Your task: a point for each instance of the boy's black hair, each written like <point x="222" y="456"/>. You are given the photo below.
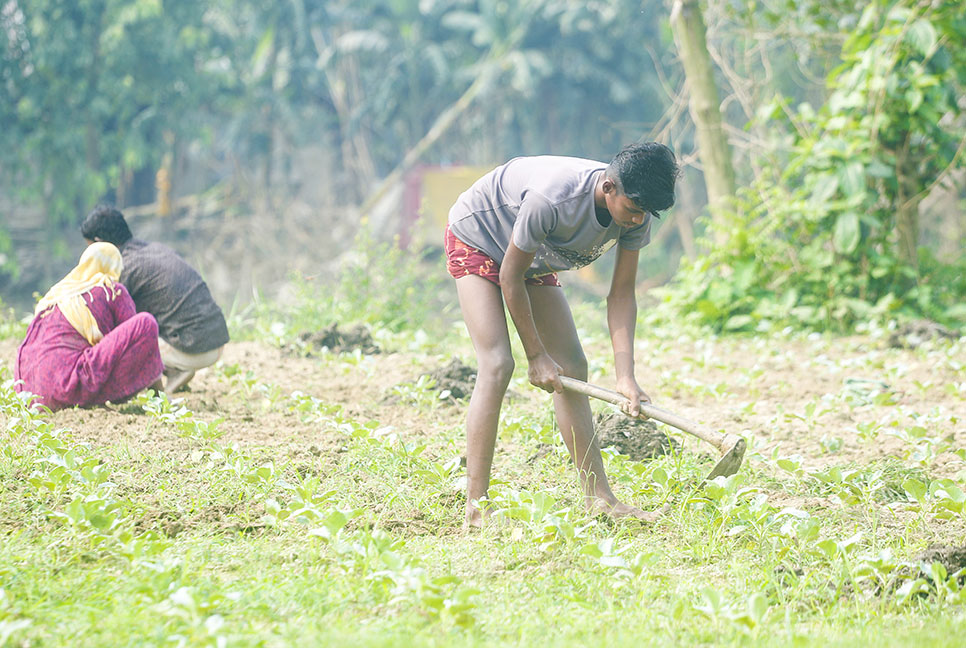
<point x="646" y="172"/>
<point x="107" y="224"/>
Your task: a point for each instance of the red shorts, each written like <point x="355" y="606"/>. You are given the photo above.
<point x="462" y="260"/>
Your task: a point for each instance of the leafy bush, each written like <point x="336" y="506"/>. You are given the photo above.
<point x="827" y="237"/>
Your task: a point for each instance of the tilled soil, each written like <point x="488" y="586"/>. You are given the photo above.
<point x="454" y="379"/>
<point x="952" y="558"/>
<point x="913" y="334"/>
<point x="639" y="440"/>
<point x="335" y="340"/>
<point x="830" y="402"/>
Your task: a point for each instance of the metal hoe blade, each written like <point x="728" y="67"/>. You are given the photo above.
<point x="733" y="453"/>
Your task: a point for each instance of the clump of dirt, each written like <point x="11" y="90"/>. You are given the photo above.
<point x="952" y="558"/>
<point x="335" y="340"/>
<point x="914" y="333"/>
<point x="635" y="438"/>
<point x="456" y="378"/>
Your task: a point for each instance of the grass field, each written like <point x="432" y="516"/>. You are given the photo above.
<point x="303" y="497"/>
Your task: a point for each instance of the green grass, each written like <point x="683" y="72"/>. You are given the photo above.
<point x="206" y="539"/>
<point x="376" y="560"/>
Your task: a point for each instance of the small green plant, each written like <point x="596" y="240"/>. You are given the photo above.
<point x="614" y="557"/>
<point x="158" y="405"/>
<point x="439" y="477"/>
<point x="745" y="615"/>
<point x="422" y="393"/>
<point x="814" y="410"/>
<point x="96" y="514"/>
<point x="194" y="617"/>
<point x="542" y="518"/>
<point x="868" y="431"/>
<point x="921" y="447"/>
<point x="946" y="588"/>
<point x="830" y="445"/>
<point x="174" y="412"/>
<point x="311" y="408"/>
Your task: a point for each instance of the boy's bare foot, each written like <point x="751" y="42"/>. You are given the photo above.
<point x="473" y="520"/>
<point x="618" y="510"/>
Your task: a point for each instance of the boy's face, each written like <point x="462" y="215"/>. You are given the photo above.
<point x="623" y="210"/>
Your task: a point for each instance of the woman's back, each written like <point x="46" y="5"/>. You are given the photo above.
<point x="58" y="364"/>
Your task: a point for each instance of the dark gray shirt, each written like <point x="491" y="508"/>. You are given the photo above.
<point x="545" y="205"/>
<point x="163" y="284"/>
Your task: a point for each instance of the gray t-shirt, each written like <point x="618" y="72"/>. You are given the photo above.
<point x="163" y="284"/>
<point x="546" y="204"/>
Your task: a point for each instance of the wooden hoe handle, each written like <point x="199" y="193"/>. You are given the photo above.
<point x="647" y="410"/>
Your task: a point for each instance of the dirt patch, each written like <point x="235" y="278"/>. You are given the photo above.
<point x="455" y="379"/>
<point x="785" y="395"/>
<point x="952" y="558"/>
<point x="334" y="340"/>
<point x="914" y="333"/>
<point x="635" y="438"/>
<point x="219" y="517"/>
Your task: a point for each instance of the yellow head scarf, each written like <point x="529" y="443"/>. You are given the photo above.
<point x="100" y="265"/>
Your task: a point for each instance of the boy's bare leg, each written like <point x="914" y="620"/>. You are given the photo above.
<point x="482" y="304"/>
<point x="558" y="333"/>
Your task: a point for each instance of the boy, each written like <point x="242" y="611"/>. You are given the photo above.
<point x="508" y="235"/>
<point x="193" y="331"/>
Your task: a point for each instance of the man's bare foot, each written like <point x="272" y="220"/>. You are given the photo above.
<point x="177" y="380"/>
<point x="619" y="510"/>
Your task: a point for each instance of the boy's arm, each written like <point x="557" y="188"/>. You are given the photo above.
<point x="622" y="320"/>
<point x="542" y="371"/>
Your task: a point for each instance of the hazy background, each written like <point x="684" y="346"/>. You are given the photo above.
<point x="254" y="137"/>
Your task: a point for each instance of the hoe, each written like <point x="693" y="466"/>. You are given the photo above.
<point x="730" y="446"/>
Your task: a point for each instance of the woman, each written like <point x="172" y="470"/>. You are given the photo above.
<point x="86" y="345"/>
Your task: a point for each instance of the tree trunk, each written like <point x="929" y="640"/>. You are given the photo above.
<point x="719" y="176"/>
<point x="345" y="90"/>
<point x="682" y="219"/>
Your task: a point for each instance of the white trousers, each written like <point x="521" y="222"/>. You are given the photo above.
<point x="175" y="359"/>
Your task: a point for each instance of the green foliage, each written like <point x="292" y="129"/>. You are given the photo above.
<point x="97" y="90"/>
<point x="818" y="239"/>
<point x="92" y="88"/>
<point x="392" y="286"/>
<point x="11" y="326"/>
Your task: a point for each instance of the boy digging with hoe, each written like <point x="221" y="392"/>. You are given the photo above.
<point x="508" y="235"/>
